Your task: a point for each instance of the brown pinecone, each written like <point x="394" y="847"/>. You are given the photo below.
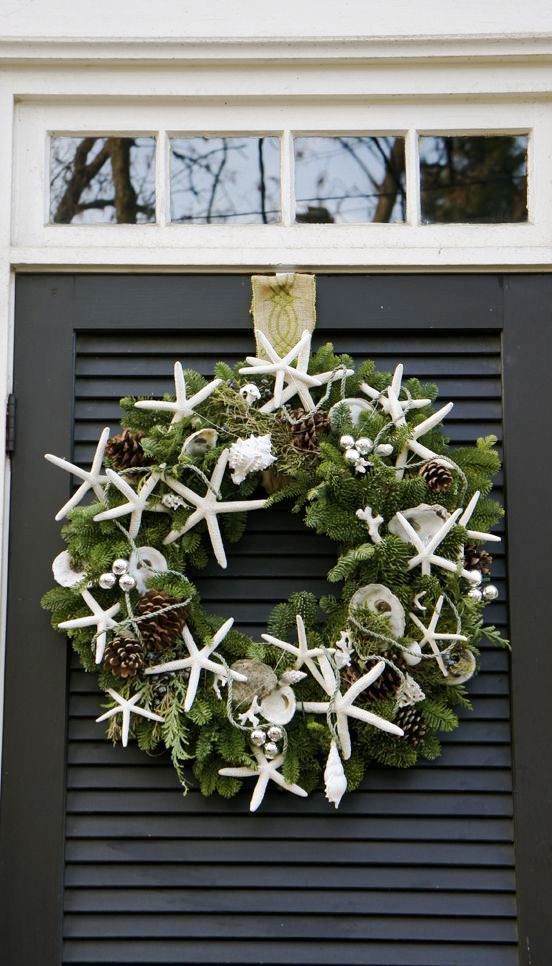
<point x="161" y="631"/>
<point x="386" y="686"/>
<point x="476" y="558"/>
<point x="412" y="723"/>
<point x="307" y="428"/>
<point x="438" y="475"/>
<point x="125" y="451"/>
<point x="124" y="657"/>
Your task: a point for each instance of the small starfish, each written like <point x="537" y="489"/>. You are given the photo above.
<point x="208" y="508"/>
<point x="266" y="771"/>
<point x="136" y="501"/>
<point x="342" y="705"/>
<point x="182" y="407"/>
<point x="126" y="707"/>
<point x="297" y="377"/>
<point x="198" y="661"/>
<point x="466" y="517"/>
<point x="305" y="656"/>
<point x="92" y="478"/>
<point x="431" y="637"/>
<point x="389" y="399"/>
<point x="103" y="619"/>
<point x="426" y="556"/>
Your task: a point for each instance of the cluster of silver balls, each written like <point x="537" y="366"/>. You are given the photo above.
<point x="268" y="740"/>
<point x="357" y="449"/>
<point x="488" y="593"/>
<point x="118" y="574"/>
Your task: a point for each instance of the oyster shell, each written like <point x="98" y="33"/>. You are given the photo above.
<point x="381" y="601"/>
<point x="144" y="563"/>
<point x="279" y="706"/>
<point x="425" y="519"/>
<point x="461" y="669"/>
<point x="355" y="407"/>
<point x="261" y="680"/>
<point x="199" y="442"/>
<point x="64" y="572"/>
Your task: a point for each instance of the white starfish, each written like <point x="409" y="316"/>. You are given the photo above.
<point x="208" y="508"/>
<point x="390" y="401"/>
<point x="198" y="661"/>
<point x="466" y="517"/>
<point x="412" y="444"/>
<point x="426" y="556"/>
<point x="372" y="522"/>
<point x="342" y="705"/>
<point x="431" y="637"/>
<point x="306" y="656"/>
<point x="266" y="771"/>
<point x="103" y="619"/>
<point x="297" y="377"/>
<point x="182" y="407"/>
<point x="126" y="707"/>
<point x="136" y="501"/>
<point x="92" y="478"/>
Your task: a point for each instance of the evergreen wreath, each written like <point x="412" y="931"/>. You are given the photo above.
<point x="338" y="684"/>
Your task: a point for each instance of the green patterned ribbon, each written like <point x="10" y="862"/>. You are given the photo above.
<point x="283" y="306"/>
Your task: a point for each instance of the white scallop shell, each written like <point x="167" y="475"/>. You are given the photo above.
<point x="144" y="563"/>
<point x="200" y="442"/>
<point x="382" y="602"/>
<point x="425" y="519"/>
<point x="64" y="572"/>
<point x="279" y="706"/>
<point x="355" y="407"/>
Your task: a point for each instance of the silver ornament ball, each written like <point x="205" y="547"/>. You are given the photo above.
<point x="275" y="733"/>
<point x="351" y="455"/>
<point x="119" y="566"/>
<point x="475" y="577"/>
<point x="347" y="441"/>
<point x="126" y="583"/>
<point x="384" y="449"/>
<point x="474" y="594"/>
<point x="258" y="737"/>
<point x="271" y="749"/>
<point x="107" y="581"/>
<point x="364" y="445"/>
<point x="490" y="592"/>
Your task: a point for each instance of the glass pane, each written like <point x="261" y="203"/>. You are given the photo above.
<point x="473" y="179"/>
<point x="217" y="180"/>
<point x="96" y="180"/>
<point x="350" y="179"/>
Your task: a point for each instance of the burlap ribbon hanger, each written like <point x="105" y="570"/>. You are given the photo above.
<point x="283" y="307"/>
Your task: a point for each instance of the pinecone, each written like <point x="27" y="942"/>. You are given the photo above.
<point x="386" y="686"/>
<point x="412" y="723"/>
<point x="160" y="632"/>
<point x="124" y="657"/>
<point x="438" y="475"/>
<point x="307" y="428"/>
<point x="125" y="451"/>
<point x="476" y="558"/>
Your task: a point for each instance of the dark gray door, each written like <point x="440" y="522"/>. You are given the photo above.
<point x="103" y="859"/>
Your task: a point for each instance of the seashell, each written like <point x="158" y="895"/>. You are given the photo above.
<point x="199" y="442"/>
<point x="144" y="563"/>
<point x="250" y="393"/>
<point x="462" y="669"/>
<point x="425" y="519"/>
<point x="411" y="692"/>
<point x="334" y="777"/>
<point x="380" y="600"/>
<point x="64" y="572"/>
<point x="261" y="680"/>
<point x="249" y="456"/>
<point x="279" y="706"/>
<point x="355" y="407"/>
<point x="292" y="677"/>
<point x="413" y="654"/>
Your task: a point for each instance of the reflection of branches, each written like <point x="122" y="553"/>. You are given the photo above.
<point x="82" y="174"/>
<point x="262" y="184"/>
<point x="216" y="181"/>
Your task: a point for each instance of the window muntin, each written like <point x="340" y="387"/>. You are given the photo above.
<point x="102" y="180"/>
<point x="346" y="179"/>
<point x="225" y="180"/>
<point x="473" y="179"/>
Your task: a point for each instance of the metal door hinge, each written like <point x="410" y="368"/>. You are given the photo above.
<point x="10" y="423"/>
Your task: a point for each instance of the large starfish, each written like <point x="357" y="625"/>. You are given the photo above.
<point x="92" y="478"/>
<point x="390" y="400"/>
<point x="102" y="619"/>
<point x="431" y="637"/>
<point x="342" y="705"/>
<point x="297" y="377"/>
<point x="466" y="517"/>
<point x="136" y="504"/>
<point x="305" y="656"/>
<point x="182" y="407"/>
<point x="198" y="661"/>
<point x="426" y="556"/>
<point x="208" y="508"/>
<point x="266" y="771"/>
<point x="126" y="707"/>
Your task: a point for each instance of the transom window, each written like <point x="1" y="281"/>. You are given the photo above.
<point x="328" y="179"/>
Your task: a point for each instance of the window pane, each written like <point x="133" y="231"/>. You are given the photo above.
<point x="473" y="179"/>
<point x="97" y="180"/>
<point x="350" y="179"/>
<point x="226" y="180"/>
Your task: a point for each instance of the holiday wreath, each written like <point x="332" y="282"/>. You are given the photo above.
<point x="371" y="676"/>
